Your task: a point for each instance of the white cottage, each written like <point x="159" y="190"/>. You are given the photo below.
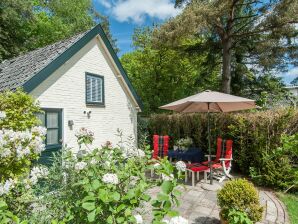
<point x="79" y="82"/>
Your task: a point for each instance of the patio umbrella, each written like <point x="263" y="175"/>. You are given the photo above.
<point x="210" y="101"/>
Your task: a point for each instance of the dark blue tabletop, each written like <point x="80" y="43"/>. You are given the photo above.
<point x="194" y="155"/>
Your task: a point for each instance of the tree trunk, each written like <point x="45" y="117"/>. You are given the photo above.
<point x="226" y="66"/>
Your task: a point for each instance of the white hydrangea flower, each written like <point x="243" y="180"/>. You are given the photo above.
<point x="110" y="178"/>
<point x="39" y="130"/>
<point x="166" y="177"/>
<point x="38" y="172"/>
<point x="5" y="153"/>
<point x="93" y="161"/>
<point x="133" y="152"/>
<point x="139" y="219"/>
<point x="181" y="166"/>
<point x="178" y="220"/>
<point x="5" y="188"/>
<point x="80" y="166"/>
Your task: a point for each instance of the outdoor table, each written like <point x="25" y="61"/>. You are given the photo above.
<point x="193" y="155"/>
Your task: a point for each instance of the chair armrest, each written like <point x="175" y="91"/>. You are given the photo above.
<point x="210" y="155"/>
<point x="224" y="159"/>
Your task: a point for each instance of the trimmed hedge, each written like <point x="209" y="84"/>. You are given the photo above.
<point x="256" y="136"/>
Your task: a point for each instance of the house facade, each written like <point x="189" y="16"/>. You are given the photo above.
<point x="79" y="83"/>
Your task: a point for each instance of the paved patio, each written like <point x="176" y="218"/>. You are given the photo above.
<point x="199" y="206"/>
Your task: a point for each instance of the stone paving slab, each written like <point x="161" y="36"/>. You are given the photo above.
<point x="199" y="206"/>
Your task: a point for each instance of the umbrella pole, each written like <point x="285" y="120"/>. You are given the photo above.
<point x="209" y="145"/>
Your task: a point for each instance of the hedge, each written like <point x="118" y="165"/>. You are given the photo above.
<point x="256" y="135"/>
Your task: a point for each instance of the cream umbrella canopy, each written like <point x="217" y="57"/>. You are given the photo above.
<point x="210" y="101"/>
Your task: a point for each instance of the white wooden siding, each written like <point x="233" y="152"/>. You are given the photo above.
<point x="65" y="89"/>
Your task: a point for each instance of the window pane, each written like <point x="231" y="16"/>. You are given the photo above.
<point x="88" y="89"/>
<point x="52" y="120"/>
<point x="94" y="89"/>
<point x="41" y="117"/>
<point x="52" y="136"/>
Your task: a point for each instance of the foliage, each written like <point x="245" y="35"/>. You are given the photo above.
<point x="20" y="110"/>
<point x="291" y="202"/>
<point x="250" y="36"/>
<point x="30" y="24"/>
<point x="278" y="167"/>
<point x="21" y="141"/>
<point x="238" y="217"/>
<point x="257" y="140"/>
<point x="240" y="195"/>
<point x="101" y="185"/>
<point x="6" y="216"/>
<point x="161" y="75"/>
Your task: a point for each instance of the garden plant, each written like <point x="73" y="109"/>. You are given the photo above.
<point x="239" y="202"/>
<point x="90" y="184"/>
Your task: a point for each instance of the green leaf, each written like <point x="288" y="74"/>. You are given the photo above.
<point x="167" y="187"/>
<point x="89" y="198"/>
<point x="116" y="196"/>
<point x="91" y="216"/>
<point x="173" y="213"/>
<point x="89" y="206"/>
<point x="3" y="205"/>
<point x="121" y="207"/>
<point x="120" y="219"/>
<point x="95" y="184"/>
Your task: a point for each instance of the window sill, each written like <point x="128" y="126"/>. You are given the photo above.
<point x="95" y="105"/>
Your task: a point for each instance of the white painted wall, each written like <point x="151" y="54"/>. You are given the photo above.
<point x="65" y="89"/>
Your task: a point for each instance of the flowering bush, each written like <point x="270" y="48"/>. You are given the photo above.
<point x="18" y="149"/>
<point x="104" y="185"/>
<point x="84" y="136"/>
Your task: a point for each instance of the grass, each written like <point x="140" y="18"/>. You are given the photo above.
<point x="291" y="202"/>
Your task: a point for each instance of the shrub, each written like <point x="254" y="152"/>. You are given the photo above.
<point x="20" y="109"/>
<point x="240" y="195"/>
<point x="101" y="185"/>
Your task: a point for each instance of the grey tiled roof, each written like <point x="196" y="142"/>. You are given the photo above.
<point x="15" y="72"/>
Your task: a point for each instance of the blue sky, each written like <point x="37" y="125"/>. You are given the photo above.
<point x="126" y="15"/>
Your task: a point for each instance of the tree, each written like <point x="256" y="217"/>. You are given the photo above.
<point x="163" y="75"/>
<point x="15" y="18"/>
<point x="30" y="24"/>
<point x="268" y="27"/>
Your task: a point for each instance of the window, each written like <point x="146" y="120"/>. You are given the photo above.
<point x="94" y="89"/>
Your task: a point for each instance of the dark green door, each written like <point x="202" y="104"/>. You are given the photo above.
<point x="52" y="120"/>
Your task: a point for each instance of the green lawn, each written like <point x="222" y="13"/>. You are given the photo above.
<point x="291" y="202"/>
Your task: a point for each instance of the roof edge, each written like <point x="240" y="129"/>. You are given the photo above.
<point x="50" y="68"/>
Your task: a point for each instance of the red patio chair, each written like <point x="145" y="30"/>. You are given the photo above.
<point x="223" y="169"/>
<point x="160" y="148"/>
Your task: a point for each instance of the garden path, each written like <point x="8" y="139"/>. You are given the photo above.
<point x="199" y="206"/>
